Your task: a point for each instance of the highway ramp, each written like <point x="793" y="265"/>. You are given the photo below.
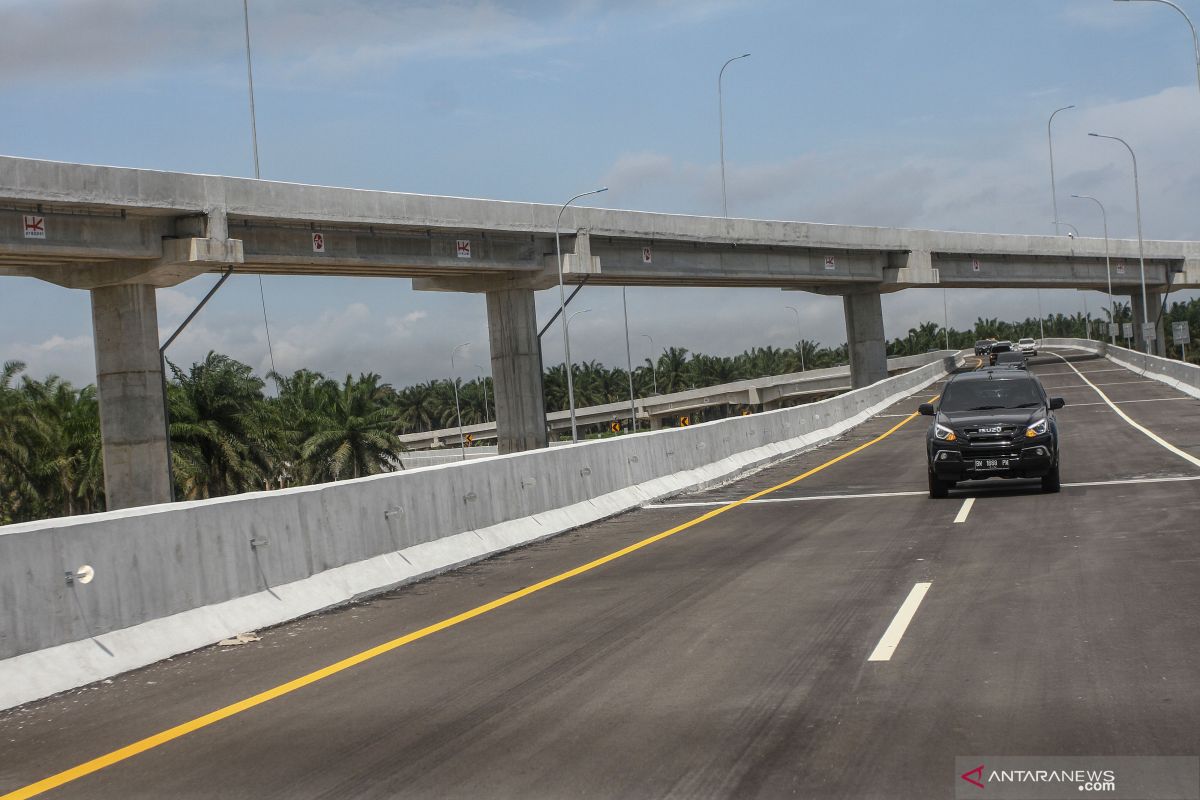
<point x="697" y="649"/>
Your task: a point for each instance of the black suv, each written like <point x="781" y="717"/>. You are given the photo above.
<point x="996" y="423"/>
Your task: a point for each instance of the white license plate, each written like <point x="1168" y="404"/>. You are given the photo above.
<point x="991" y="463"/>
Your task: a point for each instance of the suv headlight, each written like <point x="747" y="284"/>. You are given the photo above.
<point x="942" y="433"/>
<point x="1038" y="428"/>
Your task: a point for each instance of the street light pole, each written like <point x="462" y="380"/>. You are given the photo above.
<point x="629" y="364"/>
<point x="1195" y="39"/>
<point x="946" y="317"/>
<point x="562" y="306"/>
<point x="462" y="440"/>
<point x="1053" y="190"/>
<point x="250" y="82"/>
<point x="653" y="366"/>
<point x="483" y="380"/>
<point x="1041" y="320"/>
<point x="721" y="125"/>
<point x="1137" y="199"/>
<point x="799" y="341"/>
<point x="1112" y="309"/>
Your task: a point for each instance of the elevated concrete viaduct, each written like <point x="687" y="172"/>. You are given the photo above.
<point x="121" y="233"/>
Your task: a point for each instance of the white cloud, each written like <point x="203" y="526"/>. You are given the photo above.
<point x="71" y="358"/>
<point x="1005" y="190"/>
<point x="319" y="40"/>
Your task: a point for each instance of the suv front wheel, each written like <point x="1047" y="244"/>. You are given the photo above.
<point x="938" y="487"/>
<point x="1051" y="482"/>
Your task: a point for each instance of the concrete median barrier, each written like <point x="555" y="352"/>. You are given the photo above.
<point x="173" y="578"/>
<point x="1177" y="374"/>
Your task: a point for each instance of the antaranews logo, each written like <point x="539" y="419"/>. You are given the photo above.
<point x="977" y="780"/>
<point x="1068" y="777"/>
<point x="1086" y="780"/>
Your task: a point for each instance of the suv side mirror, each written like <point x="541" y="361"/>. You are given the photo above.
<point x="1057" y="403"/>
<point x="926" y="409"/>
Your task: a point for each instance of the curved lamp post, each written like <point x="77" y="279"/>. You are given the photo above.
<point x="1050" y="141"/>
<point x="1137" y="199"/>
<point x="629" y="364"/>
<point x="1112" y="309"/>
<point x="653" y="364"/>
<point x="800" y="329"/>
<point x="721" y="124"/>
<point x="483" y="380"/>
<point x="562" y="306"/>
<point x="1195" y="39"/>
<point x="462" y="440"/>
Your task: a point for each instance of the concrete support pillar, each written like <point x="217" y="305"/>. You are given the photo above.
<point x="656" y="423"/>
<point x="516" y="370"/>
<point x="864" y="338"/>
<point x="1155" y="300"/>
<point x="129" y="385"/>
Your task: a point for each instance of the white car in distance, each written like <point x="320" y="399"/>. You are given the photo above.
<point x="1027" y="346"/>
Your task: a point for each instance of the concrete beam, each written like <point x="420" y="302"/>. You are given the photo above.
<point x="914" y="268"/>
<point x="683" y="250"/>
<point x="129" y="385"/>
<point x="989" y="270"/>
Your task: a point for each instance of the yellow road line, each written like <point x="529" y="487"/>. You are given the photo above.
<point x="150" y="742"/>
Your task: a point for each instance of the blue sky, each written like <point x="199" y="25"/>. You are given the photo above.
<point x="918" y="114"/>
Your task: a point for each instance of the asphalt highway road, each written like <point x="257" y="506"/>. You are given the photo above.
<point x="738" y="657"/>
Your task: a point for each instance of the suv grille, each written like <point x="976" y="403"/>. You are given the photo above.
<point x="986" y="437"/>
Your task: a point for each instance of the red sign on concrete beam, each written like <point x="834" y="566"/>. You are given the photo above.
<point x="35" y="226"/>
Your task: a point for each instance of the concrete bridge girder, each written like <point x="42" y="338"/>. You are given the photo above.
<point x="964" y="271"/>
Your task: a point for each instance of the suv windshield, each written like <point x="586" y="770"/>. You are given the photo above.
<point x="984" y="395"/>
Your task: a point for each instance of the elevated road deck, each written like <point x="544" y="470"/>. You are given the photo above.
<point x="718" y="644"/>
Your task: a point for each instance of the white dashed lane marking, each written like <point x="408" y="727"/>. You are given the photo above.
<point x="891" y="637"/>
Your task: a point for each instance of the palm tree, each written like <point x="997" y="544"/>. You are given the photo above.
<point x="418" y="407"/>
<point x="355" y="436"/>
<point x="554" y="388"/>
<point x="673" y="375"/>
<point x="16" y="450"/>
<point x="217" y="448"/>
<point x="68" y="473"/>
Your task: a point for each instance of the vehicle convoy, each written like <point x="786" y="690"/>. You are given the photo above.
<point x="996" y="423"/>
<point x="1002" y="346"/>
<point x="1027" y="346"/>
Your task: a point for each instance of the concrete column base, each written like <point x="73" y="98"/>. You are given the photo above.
<point x="516" y="370"/>
<point x="129" y="385"/>
<point x="865" y="339"/>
